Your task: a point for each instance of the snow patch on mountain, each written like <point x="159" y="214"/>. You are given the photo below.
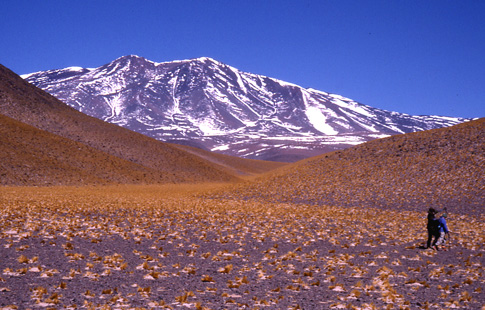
<point x="319" y="121"/>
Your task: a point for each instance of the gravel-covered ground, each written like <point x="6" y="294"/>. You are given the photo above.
<point x="119" y="251"/>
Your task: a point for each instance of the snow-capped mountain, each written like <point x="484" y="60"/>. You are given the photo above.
<point x="205" y="103"/>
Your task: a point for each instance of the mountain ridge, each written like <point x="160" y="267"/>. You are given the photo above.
<point x="205" y="103"/>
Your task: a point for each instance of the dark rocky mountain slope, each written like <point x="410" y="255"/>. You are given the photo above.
<point x="205" y="103"/>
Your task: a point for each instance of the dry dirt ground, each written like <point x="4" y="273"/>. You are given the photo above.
<point x="156" y="247"/>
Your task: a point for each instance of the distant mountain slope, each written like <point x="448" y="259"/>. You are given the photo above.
<point x="161" y="162"/>
<point x="435" y="168"/>
<point x="240" y="166"/>
<point x="202" y="102"/>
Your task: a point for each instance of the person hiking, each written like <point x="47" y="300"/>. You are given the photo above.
<point x="443" y="232"/>
<point x="432" y="227"/>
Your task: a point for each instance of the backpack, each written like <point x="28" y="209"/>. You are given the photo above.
<point x="434" y="225"/>
<point x="437" y="226"/>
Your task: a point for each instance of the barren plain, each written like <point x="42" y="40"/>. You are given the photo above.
<point x="169" y="246"/>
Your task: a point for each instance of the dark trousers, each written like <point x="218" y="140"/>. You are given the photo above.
<point x="431" y="234"/>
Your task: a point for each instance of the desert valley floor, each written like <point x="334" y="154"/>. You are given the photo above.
<point x="179" y="247"/>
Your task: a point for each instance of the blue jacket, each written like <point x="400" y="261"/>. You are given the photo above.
<point x="442" y="225"/>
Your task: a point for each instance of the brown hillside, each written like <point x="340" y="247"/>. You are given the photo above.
<point x="26" y="103"/>
<point x="30" y="156"/>
<point x="441" y="168"/>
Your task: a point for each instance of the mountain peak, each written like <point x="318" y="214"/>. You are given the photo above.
<point x="131" y="60"/>
<point x="129" y="57"/>
<point x="203" y="60"/>
<point x="207" y="59"/>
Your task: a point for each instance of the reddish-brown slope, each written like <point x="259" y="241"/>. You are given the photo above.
<point x="441" y="167"/>
<point x="30" y="156"/>
<point x="30" y="105"/>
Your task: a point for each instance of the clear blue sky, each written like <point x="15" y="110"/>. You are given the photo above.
<point x="416" y="57"/>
